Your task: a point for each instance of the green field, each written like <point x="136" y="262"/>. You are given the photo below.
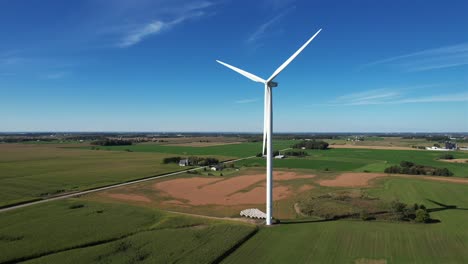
<point x="234" y="150"/>
<point x="348" y="241"/>
<point x="89" y="230"/>
<point x="372" y="160"/>
<point x="77" y="231"/>
<point x="30" y="172"/>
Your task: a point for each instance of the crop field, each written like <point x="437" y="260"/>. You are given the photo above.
<point x="348" y="241"/>
<point x="234" y="150"/>
<point x="372" y="160"/>
<point x="128" y="224"/>
<point x="77" y="231"/>
<point x="35" y="171"/>
<point x="387" y="142"/>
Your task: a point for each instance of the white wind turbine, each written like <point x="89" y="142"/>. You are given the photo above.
<point x="268" y="120"/>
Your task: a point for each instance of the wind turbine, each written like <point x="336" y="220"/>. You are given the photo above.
<point x="268" y="120"/>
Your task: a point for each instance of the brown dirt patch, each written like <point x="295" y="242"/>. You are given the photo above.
<point x="129" y="197"/>
<point x="455" y="160"/>
<point x="351" y="179"/>
<point x="357" y="179"/>
<point x="306" y="187"/>
<point x="371" y="147"/>
<point x="228" y="191"/>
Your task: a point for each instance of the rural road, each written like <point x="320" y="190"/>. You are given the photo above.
<point x="65" y="196"/>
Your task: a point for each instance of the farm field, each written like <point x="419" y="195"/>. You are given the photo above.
<point x="220" y="196"/>
<point x="349" y="241"/>
<point x="386" y="142"/>
<point x="127" y="224"/>
<point x="360" y="160"/>
<point x="35" y="171"/>
<point x="77" y="231"/>
<point x="234" y="150"/>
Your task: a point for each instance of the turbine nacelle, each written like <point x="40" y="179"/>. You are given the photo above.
<point x="272" y="84"/>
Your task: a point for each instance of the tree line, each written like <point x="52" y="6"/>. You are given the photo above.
<point x="407" y="167"/>
<point x="312" y="144"/>
<point x="112" y="142"/>
<point x="193" y="161"/>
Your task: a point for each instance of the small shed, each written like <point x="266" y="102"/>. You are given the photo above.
<point x="217" y="167"/>
<point x="184" y="162"/>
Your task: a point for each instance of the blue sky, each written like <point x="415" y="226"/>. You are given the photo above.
<point x="114" y="65"/>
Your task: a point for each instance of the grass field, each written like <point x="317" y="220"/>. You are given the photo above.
<point x="372" y="160"/>
<point x="388" y="142"/>
<point x="348" y="241"/>
<point x="233" y="150"/>
<point x="35" y="171"/>
<point x="77" y="231"/>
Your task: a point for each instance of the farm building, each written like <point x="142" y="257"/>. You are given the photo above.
<point x="184" y="162"/>
<point x="217" y="167"/>
<point x="450" y="145"/>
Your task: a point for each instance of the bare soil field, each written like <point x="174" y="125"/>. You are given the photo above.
<point x="455" y="160"/>
<point x="358" y="179"/>
<point x="247" y="189"/>
<point x="216" y="195"/>
<point x="351" y="179"/>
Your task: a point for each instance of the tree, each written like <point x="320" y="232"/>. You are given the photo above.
<point x="171" y="160"/>
<point x="364" y="215"/>
<point x="422" y="216"/>
<point x="406" y="164"/>
<point x="446" y="156"/>
<point x="313" y="144"/>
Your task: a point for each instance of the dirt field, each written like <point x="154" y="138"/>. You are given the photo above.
<point x="247" y="189"/>
<point x="351" y="179"/>
<point x="455" y="160"/>
<point x="357" y="179"/>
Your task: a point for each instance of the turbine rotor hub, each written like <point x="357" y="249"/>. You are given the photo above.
<point x="272" y="84"/>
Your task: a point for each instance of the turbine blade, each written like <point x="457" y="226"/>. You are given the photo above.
<point x="286" y="63"/>
<point x="246" y="74"/>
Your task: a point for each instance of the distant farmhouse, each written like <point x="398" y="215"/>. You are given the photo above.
<point x="449" y="146"/>
<point x="279" y="156"/>
<point x="217" y="167"/>
<point x="184" y="162"/>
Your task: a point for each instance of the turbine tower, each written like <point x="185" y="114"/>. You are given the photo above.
<point x="268" y="120"/>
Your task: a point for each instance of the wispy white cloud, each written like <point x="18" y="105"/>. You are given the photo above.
<point x="183" y="13"/>
<point x="456" y="97"/>
<point x="54" y="75"/>
<point x="378" y="96"/>
<point x="264" y="29"/>
<point x="386" y="96"/>
<point x="246" y="101"/>
<point x="438" y="58"/>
